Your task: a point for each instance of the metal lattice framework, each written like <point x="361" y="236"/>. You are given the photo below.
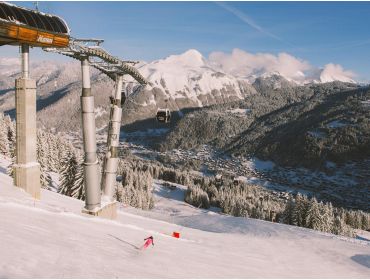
<point x="99" y="58"/>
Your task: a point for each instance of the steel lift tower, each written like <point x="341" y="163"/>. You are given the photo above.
<point x="90" y="53"/>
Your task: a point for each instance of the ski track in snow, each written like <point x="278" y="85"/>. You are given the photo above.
<point x="51" y="238"/>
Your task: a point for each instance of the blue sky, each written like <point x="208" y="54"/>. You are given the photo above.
<point x="319" y="32"/>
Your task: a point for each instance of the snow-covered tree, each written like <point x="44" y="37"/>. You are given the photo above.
<point x="327" y="217"/>
<point x="4" y="141"/>
<point x="314" y="218"/>
<point x="365" y="222"/>
<point x="78" y="190"/>
<point x="341" y="228"/>
<point x="42" y="152"/>
<point x="287" y="216"/>
<point x="11" y="135"/>
<point x="136" y="188"/>
<point x="71" y="176"/>
<point x="197" y="197"/>
<point x="299" y="216"/>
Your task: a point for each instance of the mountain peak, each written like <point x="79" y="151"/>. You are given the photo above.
<point x="192" y="58"/>
<point x="192" y="53"/>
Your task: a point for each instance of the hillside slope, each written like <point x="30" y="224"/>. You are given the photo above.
<point x="228" y="124"/>
<point x="327" y="127"/>
<point x="50" y="238"/>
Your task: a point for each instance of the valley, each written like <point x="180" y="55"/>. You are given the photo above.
<point x="345" y="185"/>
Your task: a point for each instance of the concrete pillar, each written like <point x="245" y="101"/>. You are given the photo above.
<point x="26" y="167"/>
<point x="111" y="156"/>
<point x="91" y="165"/>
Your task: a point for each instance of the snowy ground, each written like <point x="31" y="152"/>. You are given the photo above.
<point x="50" y="238"/>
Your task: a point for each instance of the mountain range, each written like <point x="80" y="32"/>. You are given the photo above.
<point x="179" y="82"/>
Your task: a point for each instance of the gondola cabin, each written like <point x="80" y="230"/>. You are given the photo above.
<point x="164" y="115"/>
<point x="24" y="26"/>
<point x="238" y="180"/>
<point x="218" y="178"/>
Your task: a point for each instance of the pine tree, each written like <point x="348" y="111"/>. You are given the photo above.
<point x="11" y="135"/>
<point x="341" y="228"/>
<point x="357" y="219"/>
<point x="300" y="211"/>
<point x="197" y="197"/>
<point x="42" y="152"/>
<point x="327" y="217"/>
<point x="338" y="226"/>
<point x="136" y="187"/>
<point x="349" y="218"/>
<point x="314" y="218"/>
<point x="78" y="190"/>
<point x="289" y="212"/>
<point x="4" y="141"/>
<point x="52" y="156"/>
<point x="365" y="222"/>
<point x="10" y="168"/>
<point x="69" y="166"/>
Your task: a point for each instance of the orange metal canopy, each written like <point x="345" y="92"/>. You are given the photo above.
<point x="23" y="26"/>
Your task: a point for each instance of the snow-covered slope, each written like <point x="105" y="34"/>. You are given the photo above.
<point x="188" y="75"/>
<point x="42" y="71"/>
<point x="51" y="78"/>
<point x="50" y="238"/>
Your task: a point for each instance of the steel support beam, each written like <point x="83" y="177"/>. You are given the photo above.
<point x="111" y="156"/>
<point x="25" y="54"/>
<point x="91" y="165"/>
<point x="89" y="52"/>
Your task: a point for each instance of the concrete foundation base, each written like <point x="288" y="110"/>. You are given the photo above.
<point x="27" y="177"/>
<point x="108" y="211"/>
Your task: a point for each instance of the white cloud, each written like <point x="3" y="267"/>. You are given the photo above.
<point x="248" y="65"/>
<point x="333" y="72"/>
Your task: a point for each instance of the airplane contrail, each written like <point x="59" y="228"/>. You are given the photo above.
<point x="246" y="19"/>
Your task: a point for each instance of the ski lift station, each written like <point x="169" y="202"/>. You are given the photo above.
<point x="23" y="26"/>
<point x="29" y="28"/>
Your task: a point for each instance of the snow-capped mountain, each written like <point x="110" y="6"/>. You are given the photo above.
<point x="187" y="80"/>
<point x="184" y="81"/>
<point x="188" y="75"/>
<point x="251" y="66"/>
